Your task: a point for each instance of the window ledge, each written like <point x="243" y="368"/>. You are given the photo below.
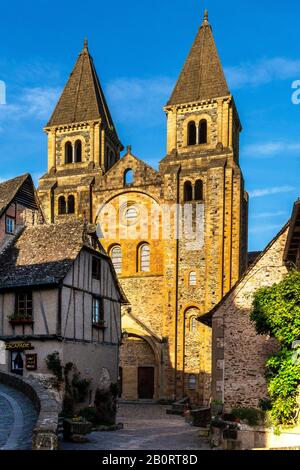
<point x="21" y="321"/>
<point x="100" y="325"/>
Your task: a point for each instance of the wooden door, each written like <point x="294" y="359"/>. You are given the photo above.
<point x="146" y="383"/>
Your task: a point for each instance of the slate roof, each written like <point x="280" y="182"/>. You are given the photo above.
<point x="82" y="98"/>
<point x="9" y="189"/>
<point x="206" y="319"/>
<point x="292" y="249"/>
<point x="202" y="76"/>
<point x="43" y="254"/>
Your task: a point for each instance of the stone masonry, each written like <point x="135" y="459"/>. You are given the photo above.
<point x="163" y="300"/>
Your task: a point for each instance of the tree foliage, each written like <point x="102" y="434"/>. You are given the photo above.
<point x="276" y="311"/>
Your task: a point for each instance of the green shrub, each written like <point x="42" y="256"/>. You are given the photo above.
<point x="276" y="311"/>
<point x="80" y="388"/>
<point x="90" y="414"/>
<point x="53" y="363"/>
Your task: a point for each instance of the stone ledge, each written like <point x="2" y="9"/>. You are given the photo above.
<point x="45" y="433"/>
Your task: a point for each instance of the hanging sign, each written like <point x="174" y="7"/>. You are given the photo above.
<point x="18" y="346"/>
<point x="31" y="361"/>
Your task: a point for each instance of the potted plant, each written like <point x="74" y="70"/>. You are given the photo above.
<point x="216" y="408"/>
<point x="76" y="429"/>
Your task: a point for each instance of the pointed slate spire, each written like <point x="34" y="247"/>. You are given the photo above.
<point x="82" y="98"/>
<point x="202" y="76"/>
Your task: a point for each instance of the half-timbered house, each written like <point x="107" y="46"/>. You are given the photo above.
<point x="59" y="292"/>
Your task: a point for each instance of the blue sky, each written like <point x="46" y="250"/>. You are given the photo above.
<point x="139" y="48"/>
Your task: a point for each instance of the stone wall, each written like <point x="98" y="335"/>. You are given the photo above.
<point x="45" y="434"/>
<point x="239" y="354"/>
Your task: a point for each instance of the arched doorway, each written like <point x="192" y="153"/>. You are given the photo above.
<point x="139" y="369"/>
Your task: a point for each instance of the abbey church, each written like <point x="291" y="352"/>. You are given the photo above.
<point x="169" y="282"/>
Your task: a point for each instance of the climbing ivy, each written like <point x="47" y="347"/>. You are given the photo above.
<point x="276" y="311"/>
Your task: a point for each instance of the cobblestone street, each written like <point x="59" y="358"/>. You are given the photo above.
<point x="146" y="427"/>
<point x="17" y="419"/>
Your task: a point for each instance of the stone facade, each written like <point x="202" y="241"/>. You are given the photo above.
<point x="183" y="280"/>
<point x="239" y="354"/>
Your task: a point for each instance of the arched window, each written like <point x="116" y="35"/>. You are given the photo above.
<point x="193" y="278"/>
<point x="71" y="204"/>
<point x="128" y="177"/>
<point x="131" y="214"/>
<point x="199" y="190"/>
<point x="188" y="191"/>
<point x="144" y="258"/>
<point x="116" y="257"/>
<point x="78" y="151"/>
<point x="192" y="133"/>
<point x="62" y="208"/>
<point x="192" y="382"/>
<point x="203" y="132"/>
<point x="68" y="152"/>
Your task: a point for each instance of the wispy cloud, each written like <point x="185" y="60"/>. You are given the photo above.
<point x="36" y="103"/>
<point x="135" y="100"/>
<point x="263" y="72"/>
<point x="269" y="215"/>
<point x="271" y="149"/>
<point x="264" y="228"/>
<point x="271" y="191"/>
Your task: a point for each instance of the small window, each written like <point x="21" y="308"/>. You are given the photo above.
<point x="10" y="225"/>
<point x="193" y="324"/>
<point x="203" y="132"/>
<point x="71" y="204"/>
<point x="78" y="151"/>
<point x="144" y="258"/>
<point x="96" y="268"/>
<point x="199" y="190"/>
<point x="188" y="191"/>
<point x="24" y="304"/>
<point x="98" y="313"/>
<point x="116" y="257"/>
<point x="68" y="153"/>
<point x="192" y="382"/>
<point x="192" y="133"/>
<point x="193" y="278"/>
<point x="128" y="177"/>
<point x="62" y="207"/>
<point x="131" y="214"/>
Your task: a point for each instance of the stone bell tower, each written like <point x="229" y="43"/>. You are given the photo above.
<point x="201" y="169"/>
<point x="82" y="144"/>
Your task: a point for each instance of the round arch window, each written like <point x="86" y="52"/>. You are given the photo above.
<point x="130" y="214"/>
